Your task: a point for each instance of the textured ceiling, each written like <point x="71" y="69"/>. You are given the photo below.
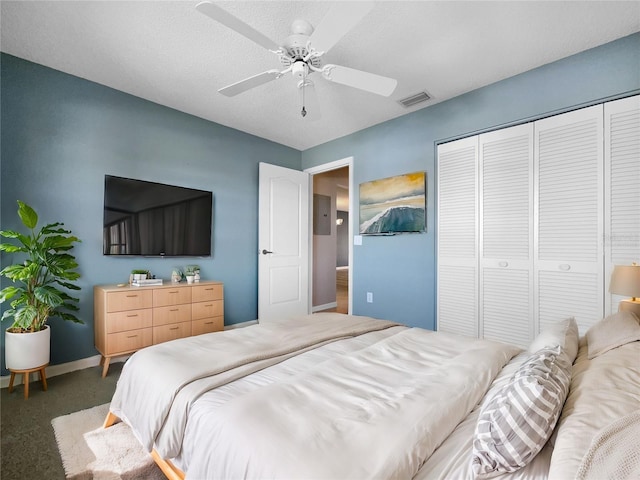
<point x="169" y="53"/>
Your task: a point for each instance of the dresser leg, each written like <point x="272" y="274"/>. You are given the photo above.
<point x="105" y="366"/>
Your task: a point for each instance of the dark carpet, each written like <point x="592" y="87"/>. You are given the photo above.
<point x="29" y="449"/>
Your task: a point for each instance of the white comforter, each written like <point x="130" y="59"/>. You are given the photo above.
<point x="374" y="410"/>
<point x="159" y="384"/>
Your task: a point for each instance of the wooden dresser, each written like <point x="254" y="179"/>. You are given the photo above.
<point x="130" y="318"/>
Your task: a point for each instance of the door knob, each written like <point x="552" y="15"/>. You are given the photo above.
<point x="265" y="251"/>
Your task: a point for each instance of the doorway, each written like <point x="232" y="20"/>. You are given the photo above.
<point x="331" y="230"/>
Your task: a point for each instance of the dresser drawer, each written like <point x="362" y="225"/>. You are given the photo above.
<point x="214" y="308"/>
<point x="129" y="300"/>
<point x="123" y="342"/>
<point x="207" y="325"/>
<point x="172" y="331"/>
<point x="171" y="296"/>
<point x="129" y="320"/>
<point x="171" y="314"/>
<point x="202" y="293"/>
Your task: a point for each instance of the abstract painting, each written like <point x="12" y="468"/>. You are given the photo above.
<point x="393" y="205"/>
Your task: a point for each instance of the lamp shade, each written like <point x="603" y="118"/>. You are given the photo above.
<point x="625" y="280"/>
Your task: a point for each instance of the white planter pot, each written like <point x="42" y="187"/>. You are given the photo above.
<point x="24" y="351"/>
<point x="190" y="278"/>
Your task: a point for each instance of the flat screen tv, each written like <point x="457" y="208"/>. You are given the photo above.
<point x="153" y="219"/>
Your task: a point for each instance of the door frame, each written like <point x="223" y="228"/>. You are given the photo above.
<point x="326" y="167"/>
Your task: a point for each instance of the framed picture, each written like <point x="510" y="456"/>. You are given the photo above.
<point x="393" y="205"/>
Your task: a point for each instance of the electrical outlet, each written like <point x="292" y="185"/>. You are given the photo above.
<point x="369" y="297"/>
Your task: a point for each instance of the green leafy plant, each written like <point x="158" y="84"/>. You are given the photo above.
<point x="191" y="269"/>
<point x="42" y="280"/>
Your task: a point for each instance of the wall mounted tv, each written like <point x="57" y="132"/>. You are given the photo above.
<point x="154" y="219"/>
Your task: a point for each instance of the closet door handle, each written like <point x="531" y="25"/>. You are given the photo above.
<point x="503" y="264"/>
<point x="565" y="267"/>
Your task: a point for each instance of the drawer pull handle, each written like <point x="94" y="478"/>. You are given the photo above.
<point x="131" y="316"/>
<point x="209" y="289"/>
<point x="174" y="310"/>
<point x="208" y="323"/>
<point x="565" y="266"/>
<point x="175" y="291"/>
<point x="174" y="328"/>
<point x="209" y="305"/>
<point x="132" y="336"/>
<point x="132" y="296"/>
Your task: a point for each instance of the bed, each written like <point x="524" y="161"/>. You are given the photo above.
<point x="341" y="396"/>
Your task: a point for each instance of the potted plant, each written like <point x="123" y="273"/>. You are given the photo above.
<point x="138" y="274"/>
<point x="196" y="272"/>
<point x="189" y="273"/>
<point x="39" y="290"/>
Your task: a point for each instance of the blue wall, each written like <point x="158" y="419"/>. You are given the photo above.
<point x="61" y="135"/>
<point x="401" y="270"/>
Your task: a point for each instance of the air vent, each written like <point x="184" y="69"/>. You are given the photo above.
<point x="414" y="99"/>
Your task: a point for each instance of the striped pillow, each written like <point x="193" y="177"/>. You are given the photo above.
<point x="516" y="423"/>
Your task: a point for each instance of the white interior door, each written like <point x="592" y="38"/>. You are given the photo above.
<point x="506" y="235"/>
<point x="457" y="296"/>
<point x="283" y="242"/>
<point x="622" y="195"/>
<point x="568" y="202"/>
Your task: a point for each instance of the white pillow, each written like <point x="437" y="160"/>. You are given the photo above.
<point x="564" y="334"/>
<point x="612" y="332"/>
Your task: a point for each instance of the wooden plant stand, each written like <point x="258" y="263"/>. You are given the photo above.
<point x="25" y="381"/>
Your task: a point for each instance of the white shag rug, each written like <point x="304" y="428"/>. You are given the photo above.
<point x="89" y="451"/>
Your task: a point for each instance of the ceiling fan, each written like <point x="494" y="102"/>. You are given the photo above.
<point x="301" y="53"/>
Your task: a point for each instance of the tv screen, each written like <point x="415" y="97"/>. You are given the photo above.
<point x="154" y="219"/>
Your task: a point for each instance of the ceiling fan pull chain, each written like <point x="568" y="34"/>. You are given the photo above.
<point x="303" y="112"/>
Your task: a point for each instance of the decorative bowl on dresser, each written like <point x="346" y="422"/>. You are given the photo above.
<point x="130" y="318"/>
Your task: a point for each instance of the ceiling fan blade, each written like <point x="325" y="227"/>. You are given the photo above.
<point x="225" y="18"/>
<point x="249" y="83"/>
<point x="341" y="18"/>
<point x="358" y="79"/>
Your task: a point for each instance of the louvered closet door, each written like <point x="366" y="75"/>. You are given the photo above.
<point x="569" y="217"/>
<point x="457" y="297"/>
<point x="506" y="235"/>
<point x="622" y="189"/>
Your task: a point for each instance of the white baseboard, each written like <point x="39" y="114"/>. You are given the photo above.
<point x="326" y="306"/>
<point x="89" y="362"/>
<point x="63" y="368"/>
<point x="241" y="324"/>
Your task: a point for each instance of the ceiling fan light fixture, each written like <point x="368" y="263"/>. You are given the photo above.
<point x="300" y="69"/>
